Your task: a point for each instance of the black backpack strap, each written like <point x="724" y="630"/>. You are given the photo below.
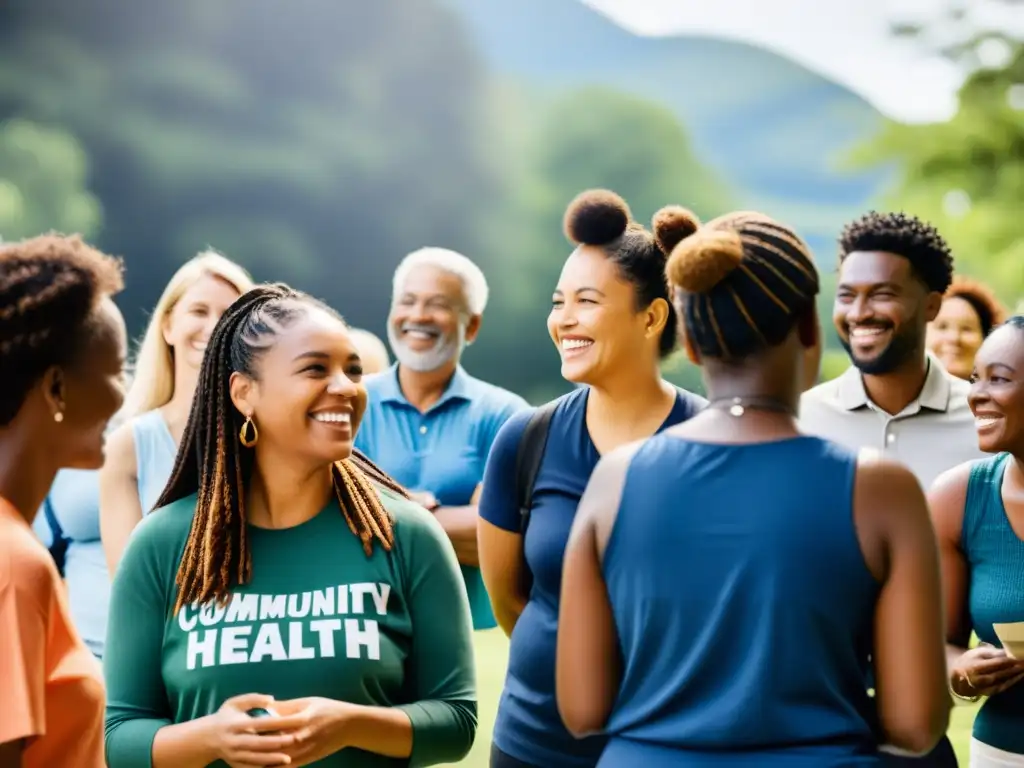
<point x="59" y="544"/>
<point x="529" y="455"/>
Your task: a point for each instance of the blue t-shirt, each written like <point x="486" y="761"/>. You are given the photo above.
<point x="74" y="500"/>
<point x="443" y="450"/>
<point x="528" y="726"/>
<point x="744" y="608"/>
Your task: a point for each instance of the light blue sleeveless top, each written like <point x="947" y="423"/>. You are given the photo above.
<point x="155" y="452"/>
<point x="74" y="500"/>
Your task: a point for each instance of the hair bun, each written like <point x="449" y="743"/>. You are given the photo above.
<point x="673" y="224"/>
<point x="596" y="217"/>
<point x="699" y="263"/>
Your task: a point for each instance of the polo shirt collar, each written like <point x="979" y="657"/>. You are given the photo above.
<point x="934" y="395"/>
<point x="391" y="391"/>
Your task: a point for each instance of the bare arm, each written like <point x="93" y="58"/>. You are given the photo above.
<point x="10" y="754"/>
<point x="909" y="652"/>
<point x="460" y="525"/>
<point x="503" y="568"/>
<point x="120" y="508"/>
<point x="588" y="667"/>
<point x="946" y="499"/>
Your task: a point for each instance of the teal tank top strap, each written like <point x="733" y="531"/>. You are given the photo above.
<point x="155" y="451"/>
<point x="995" y="557"/>
<point x="983" y="508"/>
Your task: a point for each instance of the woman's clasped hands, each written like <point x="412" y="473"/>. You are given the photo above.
<point x="295" y="733"/>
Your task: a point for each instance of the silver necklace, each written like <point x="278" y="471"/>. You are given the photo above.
<point x="737" y="406"/>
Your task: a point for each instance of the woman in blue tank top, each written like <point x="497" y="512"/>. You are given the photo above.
<point x="979" y="516"/>
<point x="141" y="452"/>
<point x="727" y="581"/>
<point x="612" y="323"/>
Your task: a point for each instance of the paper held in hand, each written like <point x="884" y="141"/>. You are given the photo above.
<point x="1012" y="638"/>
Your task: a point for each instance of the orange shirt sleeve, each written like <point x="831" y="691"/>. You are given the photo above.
<point x="24" y="610"/>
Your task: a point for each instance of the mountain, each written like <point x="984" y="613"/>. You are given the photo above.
<point x="774" y="129"/>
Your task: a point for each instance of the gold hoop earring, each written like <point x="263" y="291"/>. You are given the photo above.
<point x="242" y="433"/>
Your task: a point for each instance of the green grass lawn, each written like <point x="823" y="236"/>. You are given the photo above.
<point x="492" y="655"/>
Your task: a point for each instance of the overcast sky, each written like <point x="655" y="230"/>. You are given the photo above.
<point x="847" y="40"/>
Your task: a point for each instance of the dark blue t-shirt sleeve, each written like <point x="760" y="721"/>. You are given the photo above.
<point x="695" y="403"/>
<point x="498" y="502"/>
<point x="496" y="420"/>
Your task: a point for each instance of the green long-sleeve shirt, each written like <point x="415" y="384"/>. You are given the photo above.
<point x="319" y="618"/>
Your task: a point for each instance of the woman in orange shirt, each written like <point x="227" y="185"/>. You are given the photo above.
<point x="62" y="350"/>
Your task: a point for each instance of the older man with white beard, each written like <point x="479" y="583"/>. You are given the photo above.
<point x="429" y="424"/>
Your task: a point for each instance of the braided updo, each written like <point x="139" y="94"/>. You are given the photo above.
<point x="50" y="287"/>
<point x="745" y="280"/>
<point x="602" y="218"/>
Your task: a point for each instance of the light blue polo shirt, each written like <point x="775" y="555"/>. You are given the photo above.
<point x="443" y="451"/>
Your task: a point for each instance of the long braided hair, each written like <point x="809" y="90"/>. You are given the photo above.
<point x="214" y="465"/>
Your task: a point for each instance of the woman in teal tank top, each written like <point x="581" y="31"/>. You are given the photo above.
<point x="979" y="517"/>
<point x="730" y="583"/>
<point x="140" y="452"/>
<point x="288" y="603"/>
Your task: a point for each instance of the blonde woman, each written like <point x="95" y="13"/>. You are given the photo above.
<point x="371" y="350"/>
<point x="140" y="453"/>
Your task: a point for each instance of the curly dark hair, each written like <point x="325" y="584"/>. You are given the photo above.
<point x="49" y="287"/>
<point x="983" y="301"/>
<point x="907" y="236"/>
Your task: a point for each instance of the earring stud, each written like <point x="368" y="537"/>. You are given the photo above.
<point x="58" y="416"/>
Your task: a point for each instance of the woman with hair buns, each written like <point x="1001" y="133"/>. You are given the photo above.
<point x="612" y="323"/>
<point x="727" y="581"/>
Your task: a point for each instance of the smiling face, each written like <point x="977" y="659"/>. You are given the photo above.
<point x="997" y="392"/>
<point x="429" y="323"/>
<point x="192" y="319"/>
<point x="594" y="321"/>
<point x="955" y="336"/>
<point x="90" y="391"/>
<point x="307" y="398"/>
<point x="881" y="311"/>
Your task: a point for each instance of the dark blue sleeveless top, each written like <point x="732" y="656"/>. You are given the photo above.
<point x="995" y="556"/>
<point x="744" y="608"/>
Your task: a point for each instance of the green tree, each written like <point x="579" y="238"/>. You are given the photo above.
<point x="592" y="137"/>
<point x="967" y="175"/>
<point x="42" y="183"/>
<point x="316" y="142"/>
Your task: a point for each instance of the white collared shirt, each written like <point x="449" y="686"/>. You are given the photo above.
<point x="934" y="433"/>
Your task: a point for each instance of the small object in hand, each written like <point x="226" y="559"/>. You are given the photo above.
<point x="1012" y="637"/>
<point x="261" y="712"/>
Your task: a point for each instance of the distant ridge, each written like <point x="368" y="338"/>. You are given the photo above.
<point x="774" y="129"/>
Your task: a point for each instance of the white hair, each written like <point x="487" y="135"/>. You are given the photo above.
<point x="474" y="284"/>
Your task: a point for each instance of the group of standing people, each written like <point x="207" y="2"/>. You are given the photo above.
<point x="300" y="552"/>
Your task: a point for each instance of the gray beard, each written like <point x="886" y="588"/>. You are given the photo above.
<point x="446" y="349"/>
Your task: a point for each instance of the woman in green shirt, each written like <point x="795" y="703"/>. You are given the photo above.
<point x="286" y="573"/>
